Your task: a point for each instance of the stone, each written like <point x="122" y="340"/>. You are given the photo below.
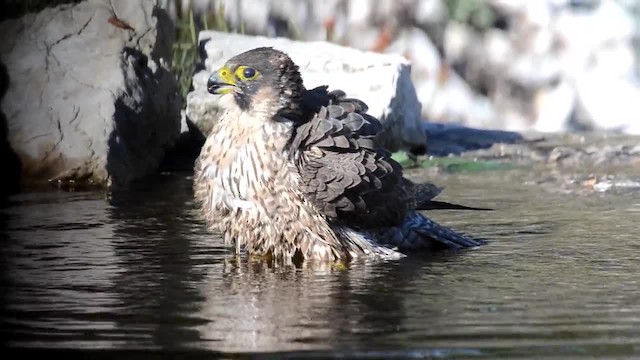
<point x="555" y="104"/>
<point x="608" y="103"/>
<point x="382" y="81"/>
<point x="91" y="97"/>
<point x="10" y="163"/>
<point x="546" y="76"/>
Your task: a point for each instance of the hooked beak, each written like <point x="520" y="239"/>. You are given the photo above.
<point x="222" y="82"/>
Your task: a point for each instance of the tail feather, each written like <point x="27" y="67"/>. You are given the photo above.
<point x="424" y="194"/>
<point x="448" y="237"/>
<point x="441" y="205"/>
<point x="420" y="232"/>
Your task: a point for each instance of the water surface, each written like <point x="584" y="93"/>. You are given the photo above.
<point x="139" y="270"/>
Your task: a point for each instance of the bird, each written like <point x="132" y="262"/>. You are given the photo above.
<point x="295" y="175"/>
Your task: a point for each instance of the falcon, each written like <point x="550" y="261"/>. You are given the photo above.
<point x="294" y="174"/>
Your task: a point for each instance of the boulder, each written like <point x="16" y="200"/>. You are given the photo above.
<point x="8" y="158"/>
<point x="382" y="81"/>
<point x="91" y="97"/>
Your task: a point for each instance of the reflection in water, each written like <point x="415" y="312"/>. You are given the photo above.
<point x="257" y="307"/>
<point x="139" y="270"/>
<point x="157" y="288"/>
<point x="59" y="269"/>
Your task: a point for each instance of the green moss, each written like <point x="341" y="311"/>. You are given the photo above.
<point x="185" y="54"/>
<point x="185" y="47"/>
<point x="475" y="13"/>
<point x="450" y="164"/>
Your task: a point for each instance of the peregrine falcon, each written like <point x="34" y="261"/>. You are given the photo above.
<point x="295" y="175"/>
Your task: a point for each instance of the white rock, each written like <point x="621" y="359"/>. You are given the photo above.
<point x="553" y="69"/>
<point x="382" y="81"/>
<point x="429" y="11"/>
<point x="510" y="6"/>
<point x="609" y="29"/>
<point x="457" y="39"/>
<point x="609" y="103"/>
<point x="601" y="66"/>
<point x="89" y="100"/>
<point x="554" y="107"/>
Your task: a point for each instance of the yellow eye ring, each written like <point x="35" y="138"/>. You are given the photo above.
<point x="245" y="73"/>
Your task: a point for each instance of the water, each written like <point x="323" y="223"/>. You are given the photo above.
<point x="138" y="270"/>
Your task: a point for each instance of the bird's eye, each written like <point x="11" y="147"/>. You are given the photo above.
<point x="247" y="73"/>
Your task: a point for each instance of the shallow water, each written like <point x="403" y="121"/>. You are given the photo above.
<point x="138" y="270"/>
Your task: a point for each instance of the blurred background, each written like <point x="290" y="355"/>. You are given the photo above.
<point x="518" y="65"/>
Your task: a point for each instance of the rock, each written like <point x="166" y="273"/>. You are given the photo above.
<point x="555" y="105"/>
<point x="614" y="184"/>
<point x="601" y="67"/>
<point x="554" y="78"/>
<point x="382" y="81"/>
<point x="91" y="97"/>
<point x="10" y="163"/>
<point x="572" y="151"/>
<point x="606" y="103"/>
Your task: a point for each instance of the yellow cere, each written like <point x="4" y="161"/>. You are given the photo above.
<point x="226" y="75"/>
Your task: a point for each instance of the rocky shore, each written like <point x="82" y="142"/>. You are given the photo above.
<point x="90" y="96"/>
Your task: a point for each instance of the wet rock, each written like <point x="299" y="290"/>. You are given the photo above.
<point x="10" y="163"/>
<point x="91" y="97"/>
<point x="610" y="183"/>
<point x="567" y="151"/>
<point x="383" y="81"/>
<point x="581" y="164"/>
<point x="595" y="182"/>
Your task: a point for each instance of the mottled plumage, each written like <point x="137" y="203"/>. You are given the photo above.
<point x="295" y="174"/>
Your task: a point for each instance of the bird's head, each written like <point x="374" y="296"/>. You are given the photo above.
<point x="261" y="78"/>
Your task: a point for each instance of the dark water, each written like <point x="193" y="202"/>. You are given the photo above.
<point x="138" y="270"/>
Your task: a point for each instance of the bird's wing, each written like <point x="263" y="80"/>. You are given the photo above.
<point x="341" y="170"/>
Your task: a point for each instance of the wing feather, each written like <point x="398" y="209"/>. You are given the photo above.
<point x="341" y="170"/>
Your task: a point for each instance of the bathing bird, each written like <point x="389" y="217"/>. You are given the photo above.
<point x="294" y="174"/>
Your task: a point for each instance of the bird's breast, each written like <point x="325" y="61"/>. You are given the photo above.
<point x="248" y="168"/>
